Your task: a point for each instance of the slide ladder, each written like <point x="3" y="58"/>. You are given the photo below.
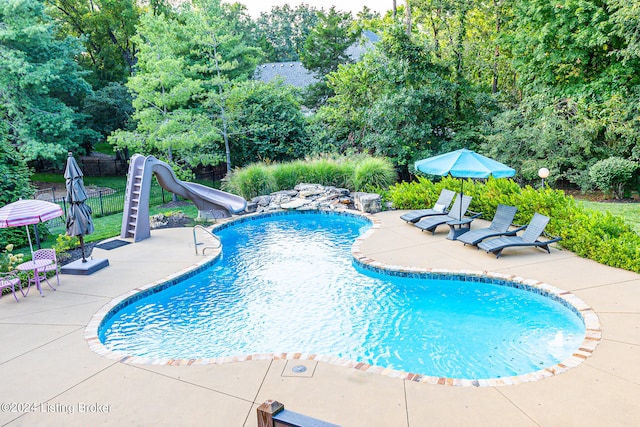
<point x="135" y="218"/>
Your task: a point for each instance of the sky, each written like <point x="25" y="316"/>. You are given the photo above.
<point x="255" y="7"/>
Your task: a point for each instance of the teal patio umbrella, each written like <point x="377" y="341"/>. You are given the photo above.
<point x="464" y="163"/>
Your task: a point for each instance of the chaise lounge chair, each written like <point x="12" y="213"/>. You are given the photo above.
<point x="499" y="227"/>
<point x="439" y="208"/>
<point x="529" y="238"/>
<point x="456" y="213"/>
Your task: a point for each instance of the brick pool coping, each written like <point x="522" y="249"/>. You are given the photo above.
<point x="593" y="332"/>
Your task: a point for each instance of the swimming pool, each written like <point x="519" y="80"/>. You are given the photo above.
<point x="288" y="283"/>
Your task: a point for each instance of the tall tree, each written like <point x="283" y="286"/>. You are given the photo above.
<point x="165" y="91"/>
<point x="41" y="87"/>
<point x="186" y="64"/>
<point x="326" y="45"/>
<point x="222" y="59"/>
<point x="625" y="16"/>
<point x="325" y="49"/>
<point x="393" y="102"/>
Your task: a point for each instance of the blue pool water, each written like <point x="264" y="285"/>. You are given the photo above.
<point x="287" y="284"/>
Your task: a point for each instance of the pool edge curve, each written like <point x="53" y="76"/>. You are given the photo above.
<point x="593" y="331"/>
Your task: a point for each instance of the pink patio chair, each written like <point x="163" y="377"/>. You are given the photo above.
<point x="9" y="280"/>
<point x="51" y="255"/>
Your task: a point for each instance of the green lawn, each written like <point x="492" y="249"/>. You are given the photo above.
<point x="100" y="181"/>
<point x="108" y="226"/>
<point x="630" y="212"/>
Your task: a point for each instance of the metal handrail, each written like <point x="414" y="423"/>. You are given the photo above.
<point x="195" y="240"/>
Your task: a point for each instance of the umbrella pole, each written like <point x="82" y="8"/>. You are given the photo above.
<point x="29" y="237"/>
<point x="461" y="197"/>
<point x="82" y="248"/>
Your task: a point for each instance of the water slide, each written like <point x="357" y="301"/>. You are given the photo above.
<point x="211" y="203"/>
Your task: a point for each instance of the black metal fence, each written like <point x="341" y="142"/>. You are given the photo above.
<point x="109" y="201"/>
<point x="90" y="166"/>
<point x="103" y="166"/>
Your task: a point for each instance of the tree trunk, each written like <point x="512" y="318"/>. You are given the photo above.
<point x="436" y="32"/>
<point x="496" y="54"/>
<point x="408" y="17"/>
<point x="462" y="22"/>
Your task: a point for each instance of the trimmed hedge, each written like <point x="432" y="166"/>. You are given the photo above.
<point x="599" y="236"/>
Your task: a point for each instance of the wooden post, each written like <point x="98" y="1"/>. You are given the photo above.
<point x="266" y="411"/>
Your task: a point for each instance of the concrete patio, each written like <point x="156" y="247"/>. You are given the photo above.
<point x="50" y="377"/>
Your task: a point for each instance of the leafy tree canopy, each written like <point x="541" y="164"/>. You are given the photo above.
<point x="326" y="45"/>
<point x="106" y="28"/>
<point x="184" y="62"/>
<point x="281" y="33"/>
<point x="572" y="48"/>
<point x="266" y="123"/>
<point x="41" y="87"/>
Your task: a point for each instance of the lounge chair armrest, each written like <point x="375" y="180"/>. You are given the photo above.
<point x="551" y="239"/>
<point x="474" y="215"/>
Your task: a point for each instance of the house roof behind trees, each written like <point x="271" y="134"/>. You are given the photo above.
<point x="363" y="45"/>
<point x="292" y="73"/>
<point x="295" y="74"/>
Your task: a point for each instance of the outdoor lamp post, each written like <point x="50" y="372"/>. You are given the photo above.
<point x="543" y="173"/>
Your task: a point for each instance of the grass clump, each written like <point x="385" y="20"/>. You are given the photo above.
<point x="250" y="181"/>
<point x="372" y="173"/>
<point x="355" y="173"/>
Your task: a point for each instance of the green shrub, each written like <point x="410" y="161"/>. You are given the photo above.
<point x="18" y="235"/>
<point x="65" y="243"/>
<point x="9" y="260"/>
<point x="599" y="236"/>
<point x="613" y="175"/>
<point x="414" y="195"/>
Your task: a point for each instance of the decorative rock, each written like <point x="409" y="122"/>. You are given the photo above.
<point x="280" y="198"/>
<point x="309" y="187"/>
<point x="262" y="200"/>
<point x="290" y="193"/>
<point x="251" y="207"/>
<point x="368" y="202"/>
<point x="316" y="197"/>
<point x="340" y="191"/>
<point x="294" y="204"/>
<point x="309" y="193"/>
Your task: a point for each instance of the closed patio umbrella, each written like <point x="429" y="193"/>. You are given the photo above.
<point x="79" y="222"/>
<point x="27" y="212"/>
<point x="464" y="163"/>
